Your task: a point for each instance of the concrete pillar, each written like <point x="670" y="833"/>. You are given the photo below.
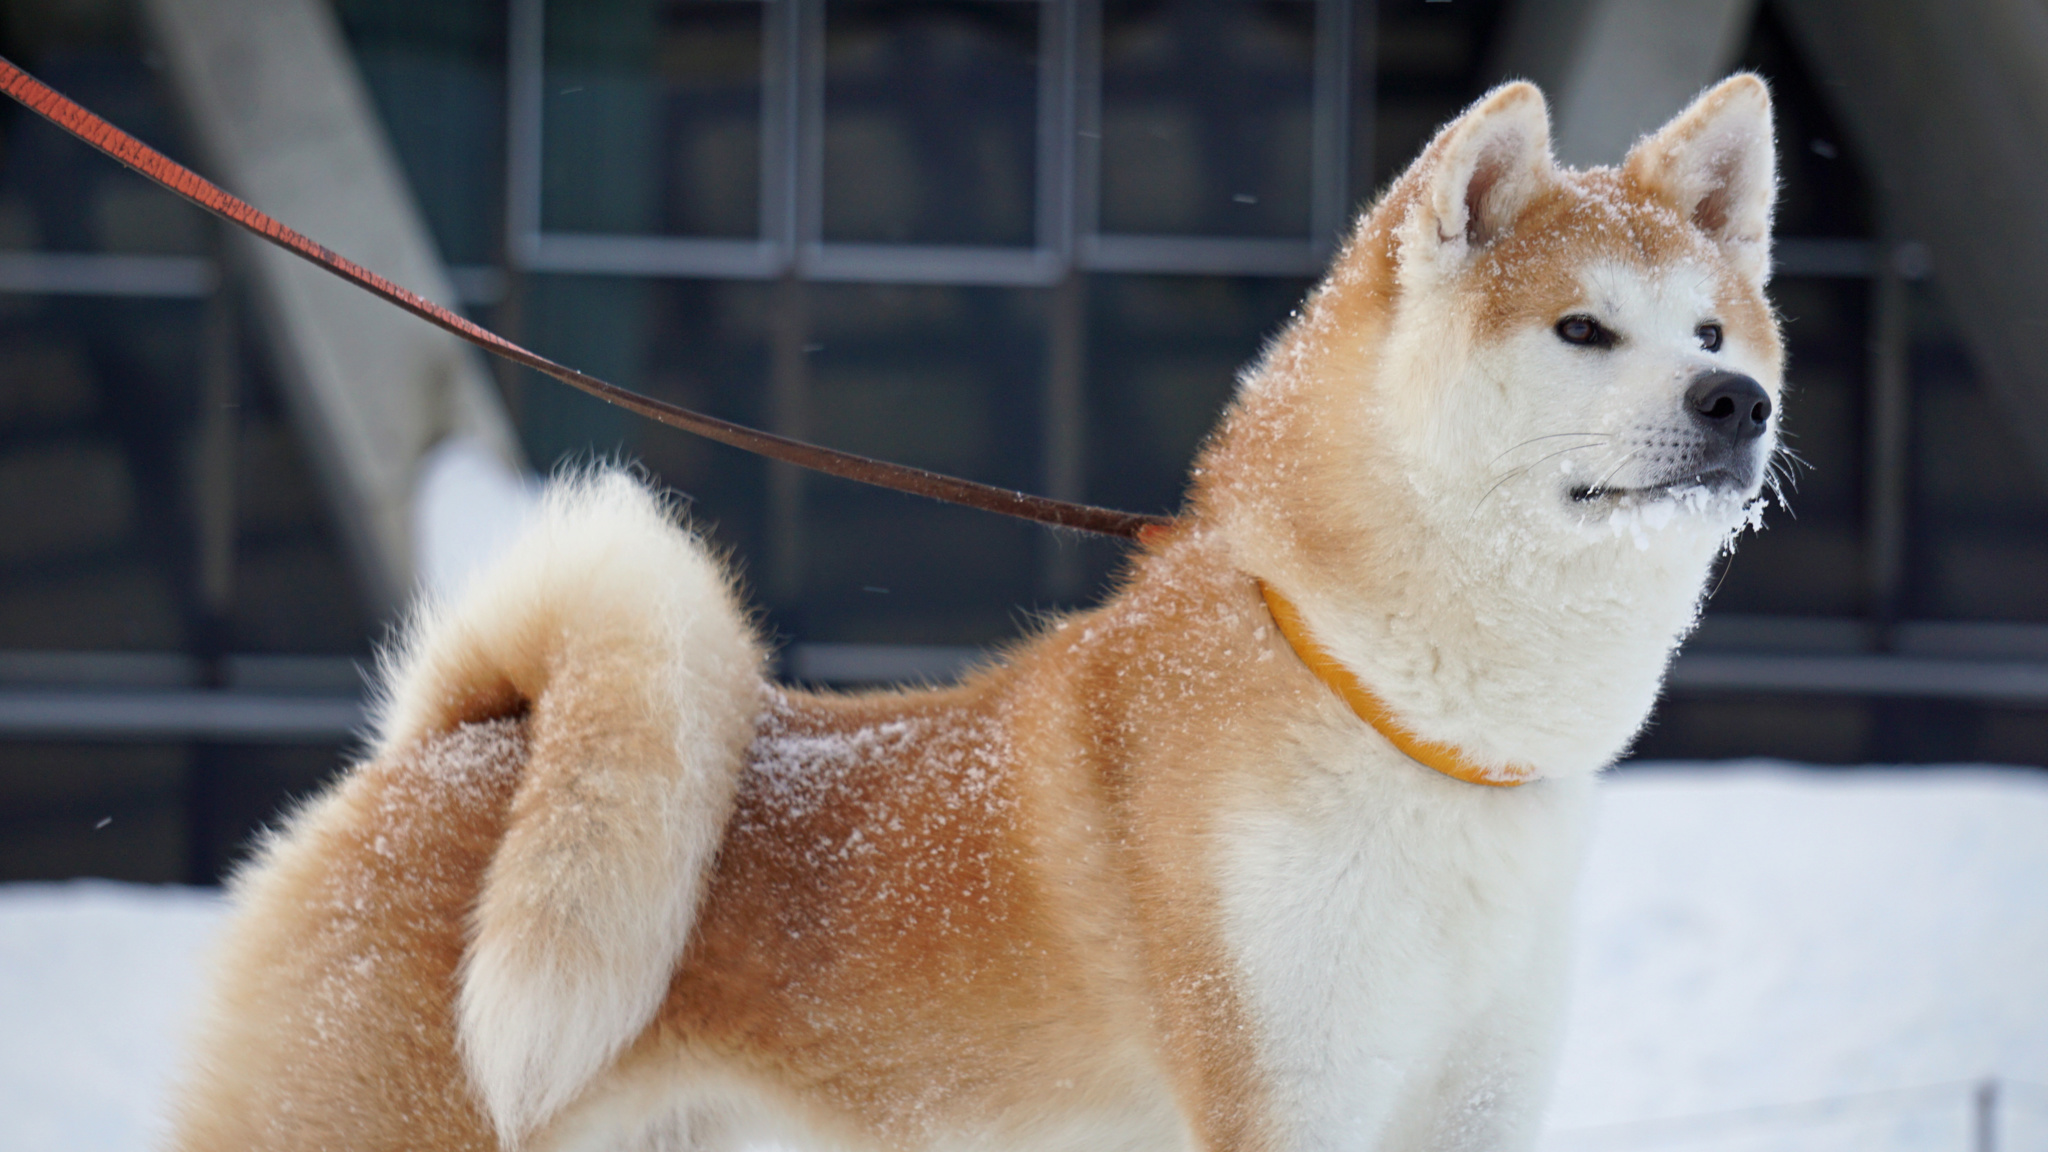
<point x="274" y="102"/>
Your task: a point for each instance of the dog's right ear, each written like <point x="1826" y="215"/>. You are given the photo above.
<point x="1478" y="175"/>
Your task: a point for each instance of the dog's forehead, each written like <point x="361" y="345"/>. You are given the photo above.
<point x="1683" y="288"/>
<point x="1594" y="234"/>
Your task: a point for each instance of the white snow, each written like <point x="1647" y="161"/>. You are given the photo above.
<point x="467" y="509"/>
<point x="97" y="984"/>
<point x="1752" y="937"/>
<point x="1755" y="936"/>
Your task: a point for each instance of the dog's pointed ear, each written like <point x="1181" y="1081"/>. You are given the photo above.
<point x="1717" y="164"/>
<point x="1481" y="172"/>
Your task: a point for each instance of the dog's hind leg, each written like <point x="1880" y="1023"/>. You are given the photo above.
<point x="621" y="639"/>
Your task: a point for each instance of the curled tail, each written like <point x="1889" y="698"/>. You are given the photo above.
<point x="622" y="639"/>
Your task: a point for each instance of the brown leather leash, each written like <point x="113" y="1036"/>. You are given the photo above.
<point x="68" y="115"/>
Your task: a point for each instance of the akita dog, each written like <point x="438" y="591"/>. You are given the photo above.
<point x="1273" y="850"/>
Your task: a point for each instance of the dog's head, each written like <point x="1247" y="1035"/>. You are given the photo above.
<point x="1508" y="349"/>
<point x="1591" y="345"/>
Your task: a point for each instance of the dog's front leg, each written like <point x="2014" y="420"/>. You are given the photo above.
<point x="1494" y="1082"/>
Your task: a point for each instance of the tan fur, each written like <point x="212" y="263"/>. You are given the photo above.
<point x="1015" y="851"/>
<point x="334" y="1024"/>
<point x="991" y="914"/>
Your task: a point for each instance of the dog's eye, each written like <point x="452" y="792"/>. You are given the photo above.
<point x="1585" y="331"/>
<point x="1710" y="336"/>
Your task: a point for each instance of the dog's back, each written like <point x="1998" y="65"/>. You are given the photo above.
<point x="898" y="943"/>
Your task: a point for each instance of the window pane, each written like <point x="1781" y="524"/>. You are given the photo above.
<point x="437" y="74"/>
<point x="652" y="117"/>
<point x="931" y="122"/>
<point x="57" y="194"/>
<point x="1164" y="355"/>
<point x="1206" y="117"/>
<point x="940" y="377"/>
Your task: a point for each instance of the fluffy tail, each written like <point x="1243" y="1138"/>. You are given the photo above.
<point x="621" y="638"/>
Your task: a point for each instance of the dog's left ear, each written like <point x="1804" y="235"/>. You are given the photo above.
<point x="1717" y="164"/>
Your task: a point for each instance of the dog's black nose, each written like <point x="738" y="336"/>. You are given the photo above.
<point x="1731" y="404"/>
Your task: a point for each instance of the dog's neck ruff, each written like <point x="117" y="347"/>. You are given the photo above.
<point x="1445" y="758"/>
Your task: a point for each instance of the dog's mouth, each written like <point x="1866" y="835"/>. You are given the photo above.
<point x="1714" y="481"/>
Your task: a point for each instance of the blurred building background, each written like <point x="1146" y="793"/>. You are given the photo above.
<point x="1026" y="241"/>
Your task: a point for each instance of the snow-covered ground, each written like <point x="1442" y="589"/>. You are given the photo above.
<point x="1872" y="944"/>
<point x="96" y="983"/>
<point x="1754" y="937"/>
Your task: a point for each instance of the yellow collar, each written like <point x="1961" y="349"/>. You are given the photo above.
<point x="1445" y="758"/>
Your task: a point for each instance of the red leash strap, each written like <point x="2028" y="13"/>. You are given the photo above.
<point x="66" y="114"/>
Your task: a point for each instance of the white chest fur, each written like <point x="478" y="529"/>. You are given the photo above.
<point x="1403" y="938"/>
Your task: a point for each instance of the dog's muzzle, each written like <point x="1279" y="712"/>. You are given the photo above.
<point x="1729" y="414"/>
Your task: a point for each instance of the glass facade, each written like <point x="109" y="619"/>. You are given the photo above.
<point x="1027" y="241"/>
